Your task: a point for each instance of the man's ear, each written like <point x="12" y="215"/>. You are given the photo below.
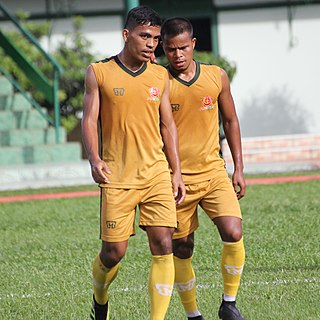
<point x="194" y="41"/>
<point x="125" y="34"/>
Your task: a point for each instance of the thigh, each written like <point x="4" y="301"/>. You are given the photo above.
<point x="157" y="206"/>
<point x="117" y="213"/>
<point x="220" y="199"/>
<point x="187" y="213"/>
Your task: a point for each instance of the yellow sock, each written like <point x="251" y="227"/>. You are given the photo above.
<point x="232" y="262"/>
<point x="102" y="278"/>
<point x="185" y="283"/>
<point x="160" y="285"/>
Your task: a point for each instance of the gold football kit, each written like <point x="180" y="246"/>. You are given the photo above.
<point x="195" y="110"/>
<point x="132" y="147"/>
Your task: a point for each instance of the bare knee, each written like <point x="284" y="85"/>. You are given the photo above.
<point x="234" y="235"/>
<point x="160" y="240"/>
<point x="112" y="252"/>
<point x="230" y="228"/>
<point x="183" y="247"/>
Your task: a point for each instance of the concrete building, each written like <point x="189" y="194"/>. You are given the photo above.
<point x="274" y="45"/>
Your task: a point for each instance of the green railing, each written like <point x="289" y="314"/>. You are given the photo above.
<point x="49" y="87"/>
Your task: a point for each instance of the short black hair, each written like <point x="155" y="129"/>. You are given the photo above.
<point x="175" y="26"/>
<point x="142" y="15"/>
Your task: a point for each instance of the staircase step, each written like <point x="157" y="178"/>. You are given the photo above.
<point x="11" y="156"/>
<point x="64" y="152"/>
<point x="5" y="87"/>
<point x="292" y="149"/>
<point x="15" y="102"/>
<point x="22" y="120"/>
<point x="30" y="137"/>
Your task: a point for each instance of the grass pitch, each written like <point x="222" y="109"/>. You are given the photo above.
<point x="46" y="250"/>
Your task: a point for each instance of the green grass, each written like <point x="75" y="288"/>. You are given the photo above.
<point x="47" y="248"/>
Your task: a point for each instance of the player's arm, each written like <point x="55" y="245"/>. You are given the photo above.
<point x="89" y="127"/>
<point x="232" y="132"/>
<point x="170" y="139"/>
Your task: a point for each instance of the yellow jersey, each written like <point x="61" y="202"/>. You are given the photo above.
<point x="130" y="123"/>
<point x="195" y="111"/>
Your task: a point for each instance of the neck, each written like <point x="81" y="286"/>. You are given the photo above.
<point x="130" y="63"/>
<point x="189" y="73"/>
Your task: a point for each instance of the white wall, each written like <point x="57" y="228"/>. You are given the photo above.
<point x="258" y="41"/>
<point x="104" y="32"/>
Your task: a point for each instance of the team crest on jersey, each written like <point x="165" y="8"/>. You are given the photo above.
<point x="207" y="103"/>
<point x="154" y="94"/>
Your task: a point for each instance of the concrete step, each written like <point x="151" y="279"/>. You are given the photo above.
<point x="30" y="137"/>
<point x="63" y="152"/>
<point x="14" y="102"/>
<point x="22" y="120"/>
<point x="44" y="175"/>
<point x="296" y="150"/>
<point x="280" y="142"/>
<point x="5" y="87"/>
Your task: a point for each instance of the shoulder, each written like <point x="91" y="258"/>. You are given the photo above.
<point x="158" y="70"/>
<point x="209" y="67"/>
<point x="157" y="67"/>
<point x="102" y="63"/>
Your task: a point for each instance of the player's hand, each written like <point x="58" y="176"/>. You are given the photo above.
<point x="239" y="184"/>
<point x="179" y="189"/>
<point x="99" y="171"/>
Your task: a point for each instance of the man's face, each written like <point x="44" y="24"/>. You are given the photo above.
<point x="179" y="50"/>
<point x="142" y="41"/>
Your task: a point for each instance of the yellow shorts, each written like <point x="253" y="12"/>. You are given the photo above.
<point x="216" y="197"/>
<point x="118" y="210"/>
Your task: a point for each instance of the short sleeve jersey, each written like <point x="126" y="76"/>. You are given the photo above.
<point x="195" y="110"/>
<point x="130" y="122"/>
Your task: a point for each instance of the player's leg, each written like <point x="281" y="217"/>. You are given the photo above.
<point x="104" y="270"/>
<point x="183" y="244"/>
<point x="223" y="208"/>
<point x="185" y="279"/>
<point x="115" y="232"/>
<point x="233" y="254"/>
<point x="161" y="276"/>
<point x="158" y="218"/>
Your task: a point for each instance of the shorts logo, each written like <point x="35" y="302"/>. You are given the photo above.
<point x="164" y="289"/>
<point x="154" y="94"/>
<point x="185" y="286"/>
<point x="111" y="224"/>
<point x="118" y="91"/>
<point x="234" y="270"/>
<point x="175" y="107"/>
<point x="207" y="103"/>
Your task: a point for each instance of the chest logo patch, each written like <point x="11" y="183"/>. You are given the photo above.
<point x="207" y="103"/>
<point x="154" y="94"/>
<point x="118" y="91"/>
